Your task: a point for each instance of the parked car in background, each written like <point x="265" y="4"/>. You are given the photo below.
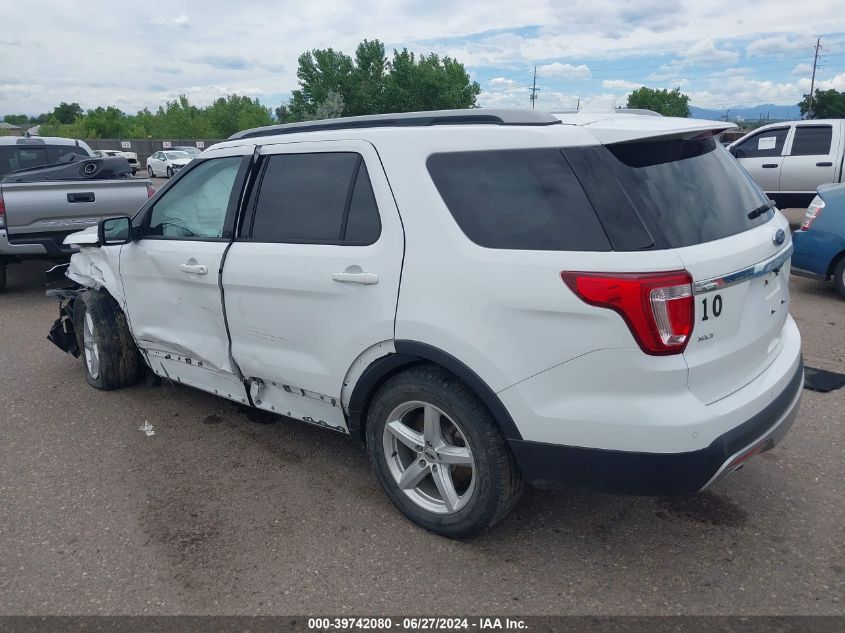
<point x="790" y="160"/>
<point x="192" y="151"/>
<point x="40" y="205"/>
<point x="167" y="162"/>
<point x="820" y="241"/>
<point x="132" y="157"/>
<point x="486" y="298"/>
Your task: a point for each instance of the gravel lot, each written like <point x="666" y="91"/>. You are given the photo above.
<point x="227" y="512"/>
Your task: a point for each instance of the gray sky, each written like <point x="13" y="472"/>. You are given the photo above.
<point x="723" y="53"/>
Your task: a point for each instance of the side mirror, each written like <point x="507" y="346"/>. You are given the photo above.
<point x="114" y="231"/>
<point x="738" y="153"/>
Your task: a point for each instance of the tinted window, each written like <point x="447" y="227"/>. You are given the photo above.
<point x="16" y="157"/>
<point x="322" y="198"/>
<point x="768" y="143"/>
<point x="196" y="205"/>
<point x="812" y="140"/>
<point x="689" y="191"/>
<point x="363" y="225"/>
<point x="517" y="199"/>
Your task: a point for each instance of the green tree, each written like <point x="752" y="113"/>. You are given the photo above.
<point x="827" y="104"/>
<point x="666" y="102"/>
<point x="370" y="84"/>
<point x="427" y="83"/>
<point x="67" y="113"/>
<point x="233" y="113"/>
<point x="17" y="119"/>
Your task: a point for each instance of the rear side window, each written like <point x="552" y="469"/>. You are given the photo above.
<point x="16" y="157"/>
<point x="316" y="198"/>
<point x="762" y="145"/>
<point x="517" y="199"/>
<point x="812" y="140"/>
<point x="688" y="191"/>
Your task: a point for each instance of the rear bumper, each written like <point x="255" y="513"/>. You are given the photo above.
<point x="46" y="245"/>
<point x="552" y="466"/>
<point x="16" y="250"/>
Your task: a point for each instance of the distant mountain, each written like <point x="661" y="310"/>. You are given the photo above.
<point x="767" y="110"/>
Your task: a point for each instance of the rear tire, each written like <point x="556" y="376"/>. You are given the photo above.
<point x="456" y="481"/>
<point x="111" y="358"/>
<point x="2" y="276"/>
<point x="839" y="277"/>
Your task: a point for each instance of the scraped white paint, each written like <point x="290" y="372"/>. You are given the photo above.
<point x="147" y="428"/>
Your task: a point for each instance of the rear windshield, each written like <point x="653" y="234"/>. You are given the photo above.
<point x="24" y="156"/>
<point x="518" y="199"/>
<point x="690" y="191"/>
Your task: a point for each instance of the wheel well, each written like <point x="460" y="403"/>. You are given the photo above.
<point x="409" y="353"/>
<point x="834" y="263"/>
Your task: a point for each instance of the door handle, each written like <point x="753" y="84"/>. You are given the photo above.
<point x="194" y="269"/>
<point x="824" y="164"/>
<point x="770" y="165"/>
<point x="367" y="279"/>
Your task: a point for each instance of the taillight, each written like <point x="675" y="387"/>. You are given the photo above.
<point x="151" y="191"/>
<point x="658" y="307"/>
<point x="2" y="212"/>
<point x="813" y="212"/>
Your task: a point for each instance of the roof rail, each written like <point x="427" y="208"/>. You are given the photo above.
<point x="472" y="116"/>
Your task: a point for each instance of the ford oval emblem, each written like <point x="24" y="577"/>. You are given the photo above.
<point x="779" y="237"/>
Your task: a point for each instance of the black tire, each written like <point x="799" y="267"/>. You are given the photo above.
<point x="169" y="173"/>
<point x="150" y="172"/>
<point x="119" y="363"/>
<point x="498" y="483"/>
<point x="839" y="277"/>
<point x="2" y="276"/>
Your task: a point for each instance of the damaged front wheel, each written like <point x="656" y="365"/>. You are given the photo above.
<point x="111" y="357"/>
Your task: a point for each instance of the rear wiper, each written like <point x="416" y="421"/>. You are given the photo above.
<point x="756" y="213"/>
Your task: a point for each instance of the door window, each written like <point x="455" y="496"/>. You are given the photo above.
<point x="761" y="145"/>
<point x="196" y="206"/>
<point x="324" y="198"/>
<point x="812" y="140"/>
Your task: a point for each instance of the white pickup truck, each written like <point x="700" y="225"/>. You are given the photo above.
<point x="790" y="160"/>
<point x="39" y="207"/>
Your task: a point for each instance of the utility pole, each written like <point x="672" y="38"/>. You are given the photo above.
<point x="534" y="89"/>
<point x="813" y="80"/>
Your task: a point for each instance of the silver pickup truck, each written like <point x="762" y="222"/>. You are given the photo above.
<point x="37" y="210"/>
<point x="790" y="160"/>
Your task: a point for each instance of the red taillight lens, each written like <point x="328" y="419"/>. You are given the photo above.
<point x="658" y="307"/>
<point x="2" y="212"/>
<point x="813" y="212"/>
<point x="151" y="191"/>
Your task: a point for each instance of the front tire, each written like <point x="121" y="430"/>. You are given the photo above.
<point x="111" y="357"/>
<point x="150" y="172"/>
<point x="839" y="277"/>
<point x="169" y="173"/>
<point x="439" y="454"/>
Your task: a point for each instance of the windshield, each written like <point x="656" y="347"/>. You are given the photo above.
<point x="177" y="155"/>
<point x="692" y="191"/>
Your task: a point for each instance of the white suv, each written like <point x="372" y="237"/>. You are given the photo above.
<point x="486" y="298"/>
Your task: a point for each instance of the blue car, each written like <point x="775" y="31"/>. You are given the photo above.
<point x="820" y="242"/>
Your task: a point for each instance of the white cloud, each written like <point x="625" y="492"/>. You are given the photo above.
<point x="134" y="58"/>
<point x="501" y="81"/>
<point x="564" y="71"/>
<point x="802" y="69"/>
<point x="620" y="84"/>
<point x="180" y="21"/>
